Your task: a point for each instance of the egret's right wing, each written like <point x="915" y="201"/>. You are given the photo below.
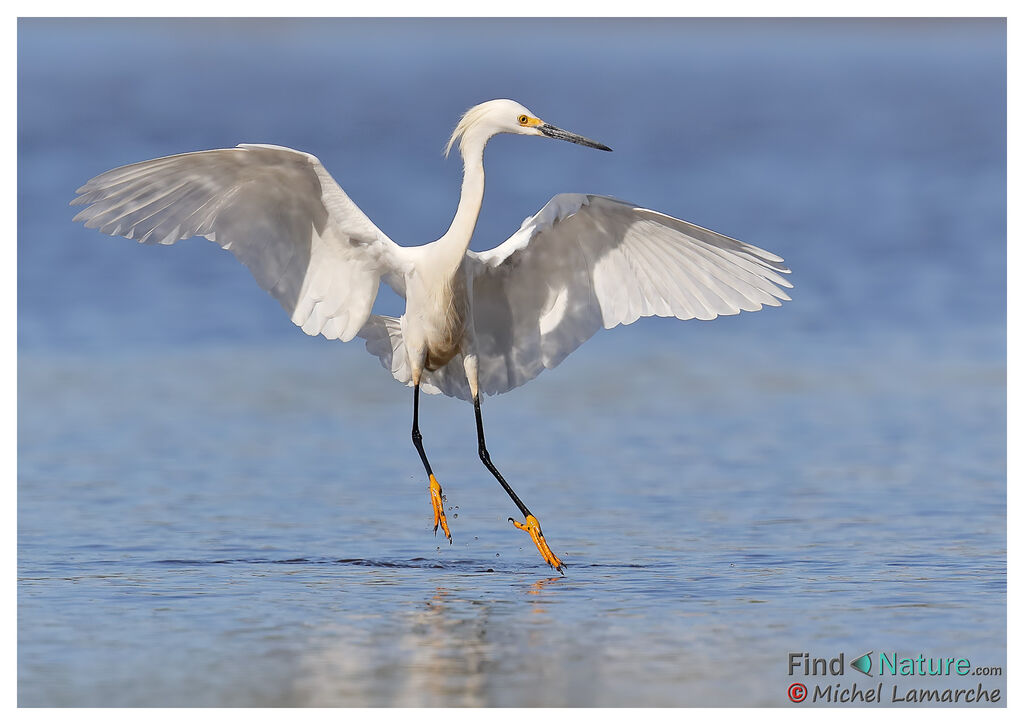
<point x="585" y="262"/>
<point x="276" y="209"/>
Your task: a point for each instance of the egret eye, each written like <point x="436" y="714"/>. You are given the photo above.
<point x="524" y="119"/>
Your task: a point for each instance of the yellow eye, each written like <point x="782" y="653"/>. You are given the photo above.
<point x="524" y="119"/>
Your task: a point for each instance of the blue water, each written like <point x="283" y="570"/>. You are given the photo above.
<point x="215" y="509"/>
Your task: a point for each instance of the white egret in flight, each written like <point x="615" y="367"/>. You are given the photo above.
<point x="474" y="322"/>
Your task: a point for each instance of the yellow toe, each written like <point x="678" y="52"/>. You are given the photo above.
<point x="532" y="527"/>
<point x="437" y="502"/>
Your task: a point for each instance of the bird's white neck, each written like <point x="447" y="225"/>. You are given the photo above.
<point x="453" y="245"/>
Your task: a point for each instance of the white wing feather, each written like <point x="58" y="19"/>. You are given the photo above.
<point x="585" y="262"/>
<point x="276" y="209"/>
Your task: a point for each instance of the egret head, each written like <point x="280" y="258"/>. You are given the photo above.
<point x="481" y="122"/>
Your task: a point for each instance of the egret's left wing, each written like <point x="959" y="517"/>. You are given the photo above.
<point x="585" y="262"/>
<point x="276" y="209"/>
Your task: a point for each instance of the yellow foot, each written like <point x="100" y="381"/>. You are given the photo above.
<point x="438" y="503"/>
<point x="532" y="527"/>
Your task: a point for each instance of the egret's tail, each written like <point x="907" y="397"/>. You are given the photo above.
<point x="384" y="340"/>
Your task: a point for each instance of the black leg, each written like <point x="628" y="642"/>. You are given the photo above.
<point x="436" y="499"/>
<point x="486" y="458"/>
<point x="531" y="526"/>
<point x="417" y="437"/>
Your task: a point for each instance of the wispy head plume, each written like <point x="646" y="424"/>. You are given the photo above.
<point x="469" y="119"/>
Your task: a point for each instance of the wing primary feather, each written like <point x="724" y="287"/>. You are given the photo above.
<point x="161" y="203"/>
<point x="652" y="269"/>
<point x="751" y="264"/>
<point x="726" y="286"/>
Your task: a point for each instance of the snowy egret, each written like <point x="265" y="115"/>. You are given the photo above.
<point x="474" y="322"/>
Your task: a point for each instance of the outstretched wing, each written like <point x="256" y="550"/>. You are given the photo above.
<point x="585" y="262"/>
<point x="276" y="209"/>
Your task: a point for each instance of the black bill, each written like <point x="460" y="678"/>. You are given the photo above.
<point x="555" y="132"/>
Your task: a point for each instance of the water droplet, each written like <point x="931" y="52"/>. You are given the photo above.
<point x="497" y="554"/>
<point x="455" y="516"/>
<point x="456" y="508"/>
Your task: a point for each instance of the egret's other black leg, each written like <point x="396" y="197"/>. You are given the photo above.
<point x="436" y="499"/>
<point x="532" y="526"/>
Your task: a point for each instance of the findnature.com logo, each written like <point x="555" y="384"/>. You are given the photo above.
<point x="892" y="665"/>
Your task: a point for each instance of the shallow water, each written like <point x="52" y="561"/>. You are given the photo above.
<point x="215" y="509"/>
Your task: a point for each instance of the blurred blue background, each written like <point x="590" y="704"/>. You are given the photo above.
<point x="214" y="508"/>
